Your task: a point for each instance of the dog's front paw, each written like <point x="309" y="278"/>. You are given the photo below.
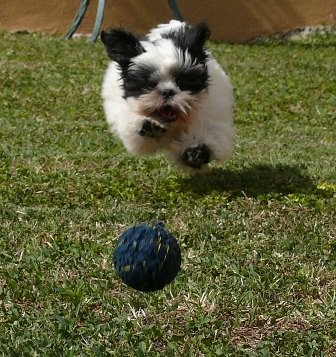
<point x="196" y="156"/>
<point x="151" y="129"/>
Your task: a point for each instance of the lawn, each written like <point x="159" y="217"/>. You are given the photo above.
<point x="257" y="234"/>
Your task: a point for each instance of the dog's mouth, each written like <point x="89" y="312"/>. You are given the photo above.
<point x="167" y="113"/>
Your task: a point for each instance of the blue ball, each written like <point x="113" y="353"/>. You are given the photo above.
<point x="147" y="258"/>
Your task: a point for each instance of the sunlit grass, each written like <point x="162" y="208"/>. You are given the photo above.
<point x="257" y="234"/>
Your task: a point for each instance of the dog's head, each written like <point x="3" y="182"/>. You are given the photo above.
<point x="163" y="78"/>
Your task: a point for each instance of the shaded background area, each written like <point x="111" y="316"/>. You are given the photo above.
<point x="230" y="20"/>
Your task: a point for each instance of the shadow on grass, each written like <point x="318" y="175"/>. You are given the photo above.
<point x="253" y="181"/>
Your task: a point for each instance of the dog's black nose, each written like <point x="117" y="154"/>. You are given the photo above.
<point x="168" y="93"/>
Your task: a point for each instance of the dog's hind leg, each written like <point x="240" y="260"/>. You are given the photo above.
<point x="196" y="156"/>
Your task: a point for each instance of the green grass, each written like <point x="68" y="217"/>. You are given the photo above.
<point x="257" y="234"/>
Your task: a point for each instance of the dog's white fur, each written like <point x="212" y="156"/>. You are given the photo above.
<point x="210" y="122"/>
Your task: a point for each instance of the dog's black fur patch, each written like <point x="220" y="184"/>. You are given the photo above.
<point x="191" y="39"/>
<point x="193" y="79"/>
<point x="139" y="80"/>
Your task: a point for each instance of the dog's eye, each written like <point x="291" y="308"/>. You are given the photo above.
<point x="192" y="80"/>
<point x="136" y="85"/>
<point x="139" y="80"/>
<point x="151" y="82"/>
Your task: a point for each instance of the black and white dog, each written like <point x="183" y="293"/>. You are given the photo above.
<point x="167" y="93"/>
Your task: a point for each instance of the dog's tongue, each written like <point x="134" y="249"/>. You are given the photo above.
<point x="168" y="114"/>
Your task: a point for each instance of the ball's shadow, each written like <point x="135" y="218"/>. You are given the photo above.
<point x="253" y="181"/>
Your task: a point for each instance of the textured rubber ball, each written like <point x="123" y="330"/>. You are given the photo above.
<point x="147" y="258"/>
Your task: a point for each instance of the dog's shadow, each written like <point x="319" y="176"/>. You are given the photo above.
<point x="259" y="179"/>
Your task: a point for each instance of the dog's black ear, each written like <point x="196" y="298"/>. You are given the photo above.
<point x="192" y="39"/>
<point x="195" y="38"/>
<point x="121" y="46"/>
<point x="197" y="35"/>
